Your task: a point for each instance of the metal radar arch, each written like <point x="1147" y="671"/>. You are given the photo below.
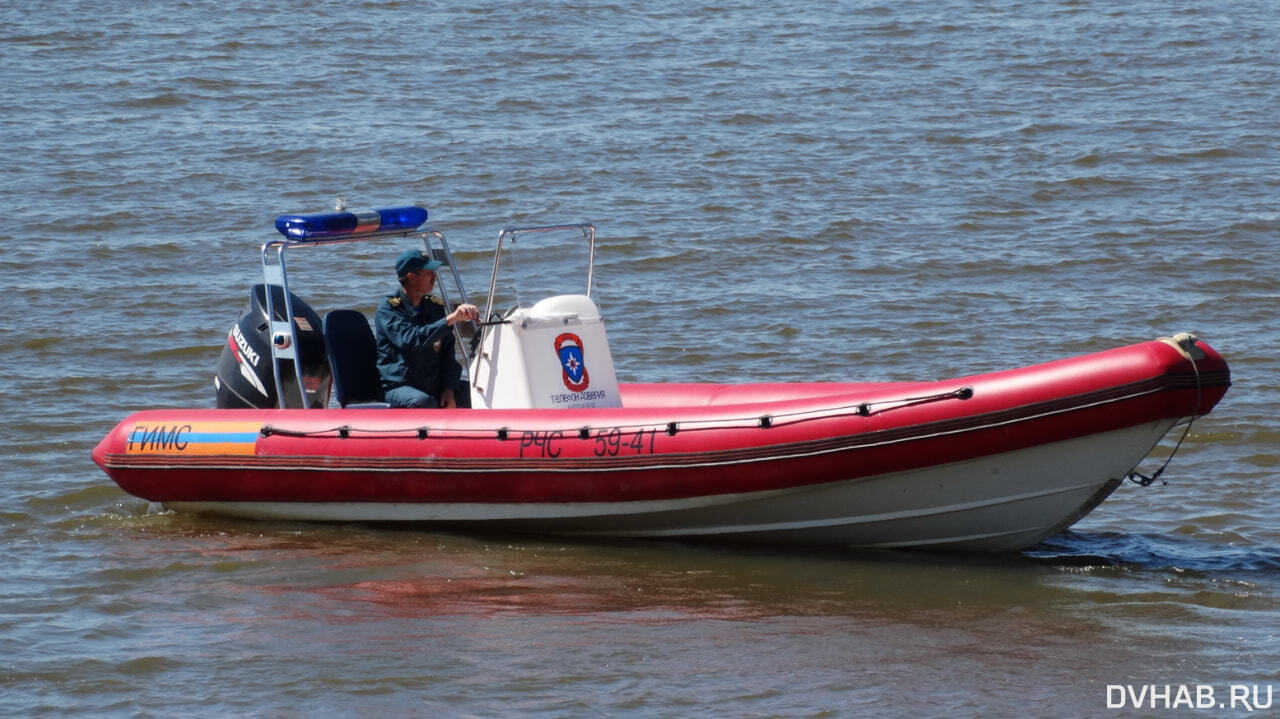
<point x="327" y="229"/>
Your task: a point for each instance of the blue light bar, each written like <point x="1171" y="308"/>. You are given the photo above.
<point x="337" y="224"/>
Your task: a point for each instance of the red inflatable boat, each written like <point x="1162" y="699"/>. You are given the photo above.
<point x="996" y="461"/>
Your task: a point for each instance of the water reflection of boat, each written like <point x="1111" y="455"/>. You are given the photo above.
<point x="995" y="461"/>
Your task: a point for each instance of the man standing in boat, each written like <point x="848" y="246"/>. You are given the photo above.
<point x="415" y="342"/>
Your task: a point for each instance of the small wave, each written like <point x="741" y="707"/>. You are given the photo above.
<point x="1213" y="153"/>
<point x="1089" y="159"/>
<point x="1254" y="227"/>
<point x="161" y="100"/>
<point x="1098" y="181"/>
<point x="1038" y="128"/>
<point x="522" y="105"/>
<point x="744" y="119"/>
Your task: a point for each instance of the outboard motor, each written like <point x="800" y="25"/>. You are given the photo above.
<point x="245" y="378"/>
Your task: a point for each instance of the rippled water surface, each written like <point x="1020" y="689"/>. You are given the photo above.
<point x="783" y="192"/>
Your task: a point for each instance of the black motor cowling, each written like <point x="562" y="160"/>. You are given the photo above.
<point x="244" y="377"/>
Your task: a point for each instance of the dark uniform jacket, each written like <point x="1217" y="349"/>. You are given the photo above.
<point x="415" y="345"/>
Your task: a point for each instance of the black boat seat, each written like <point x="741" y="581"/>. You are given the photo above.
<point x="353" y="357"/>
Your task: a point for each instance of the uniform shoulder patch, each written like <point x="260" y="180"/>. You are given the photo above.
<point x="394" y="301"/>
<point x="436" y="300"/>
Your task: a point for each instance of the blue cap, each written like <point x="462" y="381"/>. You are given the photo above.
<point x="414" y="260"/>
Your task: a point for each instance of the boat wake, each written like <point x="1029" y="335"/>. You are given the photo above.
<point x="1154" y="551"/>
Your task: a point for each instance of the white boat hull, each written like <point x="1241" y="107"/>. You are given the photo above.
<point x="1001" y="502"/>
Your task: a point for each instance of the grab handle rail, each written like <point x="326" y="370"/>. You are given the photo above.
<point x="508" y="237"/>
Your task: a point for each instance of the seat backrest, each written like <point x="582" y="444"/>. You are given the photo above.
<point x="353" y="356"/>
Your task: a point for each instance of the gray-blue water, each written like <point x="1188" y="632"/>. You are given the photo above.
<point x="784" y="191"/>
